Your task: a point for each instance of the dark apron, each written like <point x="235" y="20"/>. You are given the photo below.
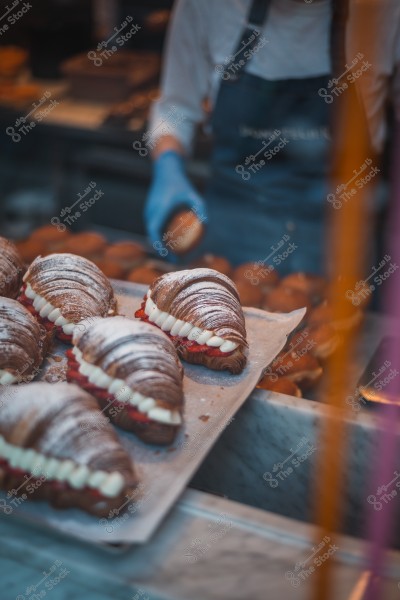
<point x="268" y="190"/>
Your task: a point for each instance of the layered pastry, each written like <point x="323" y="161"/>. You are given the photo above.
<point x="200" y="310"/>
<point x="261" y="276"/>
<point x="55" y="445"/>
<point x="12" y="269"/>
<point x="127" y="254"/>
<point x="321" y="340"/>
<point x="88" y="244"/>
<point x="286" y="299"/>
<point x="53" y="238"/>
<point x="64" y="289"/>
<point x="23" y="343"/>
<point x="134" y="372"/>
<point x="145" y="274"/>
<point x="250" y="295"/>
<point x="184" y="232"/>
<point x="301" y="368"/>
<point x="282" y="385"/>
<point x="323" y="313"/>
<point x="29" y="249"/>
<point x="314" y="286"/>
<point x="111" y="268"/>
<point x="218" y="263"/>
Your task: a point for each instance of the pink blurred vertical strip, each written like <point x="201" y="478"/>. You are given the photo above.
<point x="379" y="523"/>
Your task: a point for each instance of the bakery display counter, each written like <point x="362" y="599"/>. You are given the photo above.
<point x="213" y="547"/>
<point x="208" y="548"/>
<point x="266" y="457"/>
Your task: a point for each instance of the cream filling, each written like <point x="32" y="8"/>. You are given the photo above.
<point x="6" y="377"/>
<point x="77" y="476"/>
<point x="47" y="310"/>
<point x="176" y="327"/>
<point x="124" y="393"/>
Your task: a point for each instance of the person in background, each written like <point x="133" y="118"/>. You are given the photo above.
<point x="266" y="68"/>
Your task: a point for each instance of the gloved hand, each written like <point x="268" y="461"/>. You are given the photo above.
<point x="170" y="191"/>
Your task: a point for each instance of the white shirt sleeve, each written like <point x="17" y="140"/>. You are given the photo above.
<point x="185" y="79"/>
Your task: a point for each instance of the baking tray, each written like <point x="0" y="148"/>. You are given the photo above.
<point x="211" y="400"/>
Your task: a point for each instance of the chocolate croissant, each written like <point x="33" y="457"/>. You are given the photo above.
<point x="12" y="269"/>
<point x="200" y="311"/>
<point x="23" y="343"/>
<point x="63" y="289"/>
<point x="55" y="445"/>
<point x="134" y="372"/>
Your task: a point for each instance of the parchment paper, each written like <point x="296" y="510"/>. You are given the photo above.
<point x="211" y="400"/>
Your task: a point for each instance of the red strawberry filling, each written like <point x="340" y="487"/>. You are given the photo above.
<point x="190" y="345"/>
<point x="75" y="376"/>
<point x="49" y="325"/>
<point x="25" y="477"/>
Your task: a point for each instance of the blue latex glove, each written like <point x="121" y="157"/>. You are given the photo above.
<point x="170" y="191"/>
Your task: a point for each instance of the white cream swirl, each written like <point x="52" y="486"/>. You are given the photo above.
<point x="47" y="310"/>
<point x="179" y="328"/>
<point x="54" y="469"/>
<point x="123" y="393"/>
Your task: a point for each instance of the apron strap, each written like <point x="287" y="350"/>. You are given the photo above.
<point x="256" y="18"/>
<point x="340" y="15"/>
<point x="258" y="13"/>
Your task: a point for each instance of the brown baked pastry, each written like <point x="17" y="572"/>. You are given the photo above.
<point x="144" y="274"/>
<point x="63" y="289"/>
<point x="55" y="445"/>
<point x="23" y="343"/>
<point x="314" y="286"/>
<point x="261" y="276"/>
<point x="323" y="313"/>
<point x="127" y="254"/>
<point x="250" y="295"/>
<point x="285" y="299"/>
<point x="200" y="310"/>
<point x="88" y="244"/>
<point x="52" y="238"/>
<point x="133" y="370"/>
<point x="29" y="249"/>
<point x="321" y="340"/>
<point x="184" y="232"/>
<point x="297" y="366"/>
<point x="282" y="385"/>
<point x="111" y="268"/>
<point x="12" y="269"/>
<point x="210" y="261"/>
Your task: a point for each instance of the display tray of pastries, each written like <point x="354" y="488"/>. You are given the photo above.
<point x="128" y="391"/>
